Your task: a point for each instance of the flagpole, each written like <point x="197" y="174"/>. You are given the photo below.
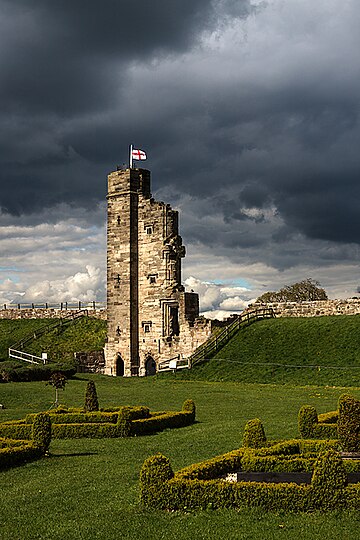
<point x="130" y="156"/>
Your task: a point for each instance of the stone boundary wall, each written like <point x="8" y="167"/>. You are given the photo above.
<point x="90" y="362"/>
<point x="50" y="313"/>
<point x="316" y="308"/>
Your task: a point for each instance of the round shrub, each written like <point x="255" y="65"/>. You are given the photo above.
<point x="41" y="431"/>
<point x="91" y="399"/>
<point x="254" y="434"/>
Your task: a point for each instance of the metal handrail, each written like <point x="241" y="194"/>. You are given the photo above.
<point x="40" y="332"/>
<point x="178" y="363"/>
<point x="21" y="355"/>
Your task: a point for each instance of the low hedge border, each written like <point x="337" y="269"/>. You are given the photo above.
<point x="15" y="452"/>
<point x="310" y="426"/>
<point x="125" y="422"/>
<point x="199" y="486"/>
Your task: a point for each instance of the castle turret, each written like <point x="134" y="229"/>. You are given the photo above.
<point x="150" y="317"/>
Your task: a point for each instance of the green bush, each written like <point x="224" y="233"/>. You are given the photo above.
<point x="159" y="422"/>
<point x="16" y="429"/>
<point x="189" y="406"/>
<point x="330" y="417"/>
<point x="123" y="422"/>
<point x="349" y="423"/>
<point x="16" y="372"/>
<point x="41" y="431"/>
<point x="91" y="399"/>
<point x="328" y="482"/>
<point x="313" y="427"/>
<point x="199" y="486"/>
<point x="78" y="417"/>
<point x="254" y="434"/>
<point x="307" y="419"/>
<point x="154" y="475"/>
<point x="13" y="455"/>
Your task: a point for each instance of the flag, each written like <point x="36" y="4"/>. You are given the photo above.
<point x="139" y="155"/>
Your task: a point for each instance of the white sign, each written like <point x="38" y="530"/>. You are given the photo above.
<point x="172" y="364"/>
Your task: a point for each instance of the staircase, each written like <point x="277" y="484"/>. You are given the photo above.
<point x="16" y="350"/>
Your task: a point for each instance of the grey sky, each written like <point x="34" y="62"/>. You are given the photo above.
<point x="249" y="113"/>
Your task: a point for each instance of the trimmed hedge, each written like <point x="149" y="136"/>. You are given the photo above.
<point x="41" y="431"/>
<point x="199" y="486"/>
<point x="15" y="452"/>
<point x="254" y="434"/>
<point x="123" y="422"/>
<point x="11" y="455"/>
<point x="311" y="428"/>
<point x="343" y="424"/>
<point x="349" y="423"/>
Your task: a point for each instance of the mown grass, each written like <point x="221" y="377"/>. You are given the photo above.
<point x="319" y="350"/>
<point x="86" y="334"/>
<point x="89" y="488"/>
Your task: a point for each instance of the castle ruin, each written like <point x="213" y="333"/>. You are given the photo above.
<point x="150" y="316"/>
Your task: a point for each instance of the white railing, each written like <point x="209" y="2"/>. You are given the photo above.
<point x="21" y="355"/>
<point x="173" y="364"/>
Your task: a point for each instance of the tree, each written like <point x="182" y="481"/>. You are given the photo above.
<point x="58" y="381"/>
<point x="306" y="290"/>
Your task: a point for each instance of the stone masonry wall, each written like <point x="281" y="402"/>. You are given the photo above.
<point x="43" y="313"/>
<point x="317" y="308"/>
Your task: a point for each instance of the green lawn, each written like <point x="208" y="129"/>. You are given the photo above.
<point x="88" y="489"/>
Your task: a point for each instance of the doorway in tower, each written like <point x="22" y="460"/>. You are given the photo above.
<point x="119" y="366"/>
<point x="150" y="366"/>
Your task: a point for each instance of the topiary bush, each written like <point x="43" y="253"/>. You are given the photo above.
<point x="154" y="475"/>
<point x="254" y="434"/>
<point x="41" y="431"/>
<point x="189" y="406"/>
<point x="349" y="423"/>
<point x="91" y="399"/>
<point x="328" y="481"/>
<point x="307" y="420"/>
<point x="124" y="422"/>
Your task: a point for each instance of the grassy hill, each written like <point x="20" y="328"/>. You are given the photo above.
<point x="319" y="350"/>
<point x="86" y="334"/>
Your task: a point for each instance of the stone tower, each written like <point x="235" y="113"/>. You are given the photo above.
<point x="150" y="316"/>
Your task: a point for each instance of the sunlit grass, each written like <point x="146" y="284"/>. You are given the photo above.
<point x="89" y="488"/>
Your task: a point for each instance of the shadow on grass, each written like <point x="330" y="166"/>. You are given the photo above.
<point x="74" y="454"/>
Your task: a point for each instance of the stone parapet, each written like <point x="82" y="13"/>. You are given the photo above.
<point x="315" y="308"/>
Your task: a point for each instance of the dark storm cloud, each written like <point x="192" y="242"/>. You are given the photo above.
<point x="258" y="125"/>
<point x="64" y="70"/>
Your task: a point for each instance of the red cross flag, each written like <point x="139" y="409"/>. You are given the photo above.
<point x="136" y="154"/>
